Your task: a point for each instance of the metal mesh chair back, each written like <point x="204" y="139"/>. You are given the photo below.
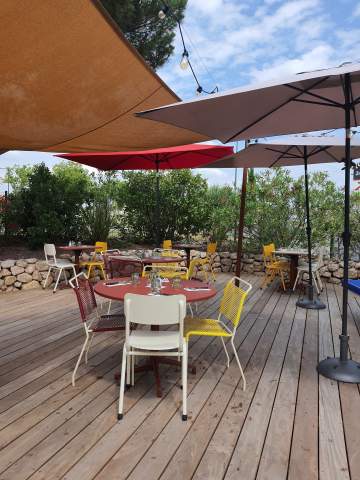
<point x="233" y="300"/>
<point x="86" y="298"/>
<point x="122" y="267"/>
<point x="167" y="244"/>
<point x="50" y="252"/>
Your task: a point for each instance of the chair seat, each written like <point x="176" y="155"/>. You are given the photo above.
<point x="204" y="327"/>
<point x="61" y="263"/>
<point x="305" y="268"/>
<point x="154" y="340"/>
<point x="108" y="323"/>
<point x="92" y="263"/>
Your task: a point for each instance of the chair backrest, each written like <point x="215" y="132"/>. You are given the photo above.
<point x="167" y="244"/>
<point x="269" y="254"/>
<point x="122" y="267"/>
<point x="211" y="248"/>
<point x="50" y="252"/>
<point x="232" y="302"/>
<point x="86" y="298"/>
<point x="320" y="258"/>
<point x="155" y="309"/>
<point x="192" y="268"/>
<point x="101" y="247"/>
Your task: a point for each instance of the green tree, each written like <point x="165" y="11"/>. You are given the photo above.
<point x="139" y="20"/>
<point x="18" y="176"/>
<point x="183" y="209"/>
<point x="223" y="211"/>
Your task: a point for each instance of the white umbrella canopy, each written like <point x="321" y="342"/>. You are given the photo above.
<point x="300" y="103"/>
<point x="289" y="151"/>
<point x="311" y="101"/>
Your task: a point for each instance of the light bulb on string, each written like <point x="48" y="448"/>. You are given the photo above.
<point x="162" y="13"/>
<point x="184" y="63"/>
<point x="199" y="90"/>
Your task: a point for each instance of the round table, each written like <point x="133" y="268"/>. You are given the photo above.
<point x="188" y="247"/>
<point x="294" y="261"/>
<point x="118" y="292"/>
<point x="77" y="249"/>
<point x="149" y="260"/>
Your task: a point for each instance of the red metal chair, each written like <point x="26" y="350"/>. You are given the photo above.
<point x="93" y="321"/>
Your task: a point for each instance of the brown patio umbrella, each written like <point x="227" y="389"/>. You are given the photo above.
<point x="318" y="100"/>
<point x="291" y="151"/>
<point x="71" y="82"/>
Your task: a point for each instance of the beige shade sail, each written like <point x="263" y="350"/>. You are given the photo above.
<point x="70" y="82"/>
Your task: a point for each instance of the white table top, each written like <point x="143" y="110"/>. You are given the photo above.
<point x="291" y="251"/>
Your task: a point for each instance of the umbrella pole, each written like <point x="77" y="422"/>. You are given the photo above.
<point x="308" y="301"/>
<point x="157" y="207"/>
<point x="241" y="223"/>
<point x="342" y="368"/>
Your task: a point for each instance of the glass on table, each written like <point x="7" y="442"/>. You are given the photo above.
<point x="176" y="283"/>
<point x="135" y="278"/>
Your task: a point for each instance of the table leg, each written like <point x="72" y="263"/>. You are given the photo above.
<point x="187" y="257"/>
<point x="294" y="261"/>
<point x="77" y="260"/>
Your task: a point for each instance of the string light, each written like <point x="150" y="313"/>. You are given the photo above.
<point x="185" y="60"/>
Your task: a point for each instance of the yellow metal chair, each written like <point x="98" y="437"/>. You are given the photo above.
<point x="273" y="267"/>
<point x="100" y="247"/>
<point x="167" y="245"/>
<point x="207" y="262"/>
<point x="167" y="270"/>
<point x="226" y="324"/>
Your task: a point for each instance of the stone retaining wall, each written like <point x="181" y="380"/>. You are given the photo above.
<point x="30" y="273"/>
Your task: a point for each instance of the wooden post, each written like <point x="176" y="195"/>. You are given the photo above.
<point x="241" y="218"/>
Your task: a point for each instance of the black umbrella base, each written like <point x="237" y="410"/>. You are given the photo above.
<point x="313" y="304"/>
<point x="346" y="371"/>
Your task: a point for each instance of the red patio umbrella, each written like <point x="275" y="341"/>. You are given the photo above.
<point x="184" y="156"/>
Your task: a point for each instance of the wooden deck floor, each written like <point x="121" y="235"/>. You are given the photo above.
<point x="289" y="423"/>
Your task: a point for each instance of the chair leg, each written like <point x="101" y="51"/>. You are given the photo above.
<point x="89" y="271"/>
<point x="88" y="347"/>
<point x="191" y="310"/>
<point x="109" y="307"/>
<point x="184" y="364"/>
<point x="75" y="275"/>
<point x="226" y="352"/>
<point x="47" y="276"/>
<point x="318" y="276"/>
<point x="65" y="276"/>
<point x="102" y="272"/>
<point x="133" y="370"/>
<point x="282" y="280"/>
<point x="57" y="280"/>
<point x="239" y="364"/>
<point x="128" y="370"/>
<point x="315" y="283"/>
<point x="296" y="280"/>
<point x="79" y="360"/>
<point x="122" y="384"/>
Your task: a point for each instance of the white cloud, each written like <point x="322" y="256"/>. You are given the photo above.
<point x="356" y="12"/>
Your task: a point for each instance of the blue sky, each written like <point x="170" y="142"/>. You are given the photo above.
<point x="233" y="43"/>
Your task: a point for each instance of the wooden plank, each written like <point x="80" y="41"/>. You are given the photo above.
<point x="190" y="452"/>
<point x="349" y="394"/>
<point x="160" y="452"/>
<point x="144" y="437"/>
<point x="304" y="455"/>
<point x="96" y="457"/>
<point x="219" y="450"/>
<point x="275" y="454"/>
<point x="332" y="452"/>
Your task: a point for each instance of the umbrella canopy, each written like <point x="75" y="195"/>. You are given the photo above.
<point x="184" y="156"/>
<point x="71" y="82"/>
<point x="317" y="100"/>
<point x="299" y="103"/>
<point x="289" y="151"/>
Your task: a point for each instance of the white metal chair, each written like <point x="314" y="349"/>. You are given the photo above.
<point x="92" y="320"/>
<point x="153" y="310"/>
<point x="59" y="264"/>
<point x="315" y="267"/>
